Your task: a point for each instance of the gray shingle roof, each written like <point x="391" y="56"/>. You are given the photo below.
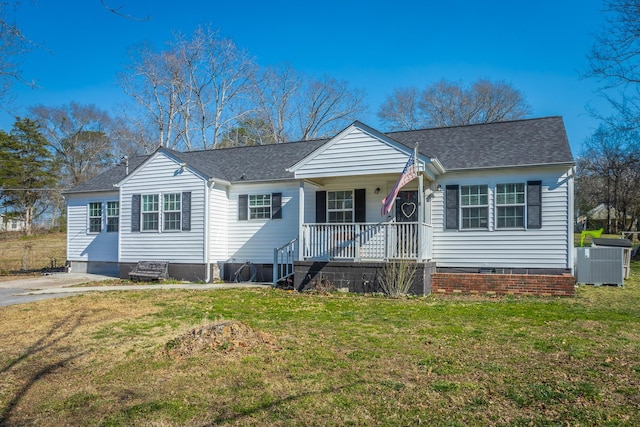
<point x="106" y="180"/>
<point x="494" y="145"/>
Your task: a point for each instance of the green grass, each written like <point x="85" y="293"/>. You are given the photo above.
<point x="337" y="359"/>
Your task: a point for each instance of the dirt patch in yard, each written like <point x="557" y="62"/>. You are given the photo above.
<point x="223" y="336"/>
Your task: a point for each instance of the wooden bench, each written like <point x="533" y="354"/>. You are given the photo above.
<point x="150" y="270"/>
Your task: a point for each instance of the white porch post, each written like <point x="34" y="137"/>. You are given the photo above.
<point x="421" y="206"/>
<point x="300" y="220"/>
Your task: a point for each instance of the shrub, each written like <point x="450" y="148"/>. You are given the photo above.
<point x="397" y="277"/>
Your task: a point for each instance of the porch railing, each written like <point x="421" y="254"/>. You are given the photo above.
<point x="283" y="258"/>
<point x="367" y="241"/>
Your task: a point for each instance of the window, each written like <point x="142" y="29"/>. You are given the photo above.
<point x="150" y="212"/>
<point x="171" y="211"/>
<point x="474" y="202"/>
<point x="510" y="204"/>
<point x="340" y="206"/>
<point x="113" y="216"/>
<point x="95" y="217"/>
<point x="260" y="206"/>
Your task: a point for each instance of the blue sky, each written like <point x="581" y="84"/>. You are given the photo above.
<point x="539" y="47"/>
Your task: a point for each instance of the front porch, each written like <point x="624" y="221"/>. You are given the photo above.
<point x="352" y="244"/>
<point x="367" y="241"/>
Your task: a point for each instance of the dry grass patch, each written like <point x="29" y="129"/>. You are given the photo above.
<point x="18" y="252"/>
<point x="223" y="336"/>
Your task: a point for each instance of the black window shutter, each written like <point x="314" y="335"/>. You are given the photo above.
<point x="321" y="206"/>
<point x="186" y="211"/>
<point x="360" y="205"/>
<point x="534" y="204"/>
<point x="243" y="207"/>
<point x="276" y="205"/>
<point x="135" y="212"/>
<point x="451" y="208"/>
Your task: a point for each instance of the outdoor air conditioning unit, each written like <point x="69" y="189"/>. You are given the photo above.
<point x="600" y="266"/>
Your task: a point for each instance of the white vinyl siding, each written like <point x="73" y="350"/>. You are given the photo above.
<point x="547" y="247"/>
<point x="255" y="240"/>
<point x="84" y="246"/>
<point x="356" y="154"/>
<point x="218" y="224"/>
<point x="157" y="177"/>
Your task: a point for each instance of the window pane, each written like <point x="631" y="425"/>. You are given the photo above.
<point x="95" y="225"/>
<point x="171" y="202"/>
<point x="474" y="217"/>
<point x="113" y="213"/>
<point x="340" y="206"/>
<point x="172" y="221"/>
<point x="260" y="206"/>
<point x="150" y="203"/>
<point x="474" y="195"/>
<point x="510" y="194"/>
<point x="95" y="217"/>
<point x="149" y="221"/>
<point x="510" y="216"/>
<point x="112" y="223"/>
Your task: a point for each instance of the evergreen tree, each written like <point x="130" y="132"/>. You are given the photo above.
<point x="27" y="170"/>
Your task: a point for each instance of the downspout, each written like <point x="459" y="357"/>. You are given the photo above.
<point x="208" y="186"/>
<point x="570" y="209"/>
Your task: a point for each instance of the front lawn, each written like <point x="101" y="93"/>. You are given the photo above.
<point x="127" y="358"/>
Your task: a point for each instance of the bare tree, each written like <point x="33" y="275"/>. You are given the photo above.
<point x="275" y="94"/>
<point x="153" y="81"/>
<point x="400" y="110"/>
<point x="327" y="105"/>
<point x="608" y="172"/>
<point x="13" y="44"/>
<point x="295" y="106"/>
<point x="119" y="11"/>
<point x="452" y="104"/>
<point x="79" y="137"/>
<point x="615" y="56"/>
<point x="192" y="91"/>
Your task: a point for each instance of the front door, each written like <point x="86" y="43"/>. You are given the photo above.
<point x="406" y="235"/>
<point x="407" y="206"/>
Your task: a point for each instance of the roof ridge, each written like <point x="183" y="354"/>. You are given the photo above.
<point x="477" y="124"/>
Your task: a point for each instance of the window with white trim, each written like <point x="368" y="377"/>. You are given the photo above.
<point x="113" y="216"/>
<point x="150" y="212"/>
<point x="510" y="205"/>
<point x="259" y="206"/>
<point x="340" y="206"/>
<point x="95" y="217"/>
<point x="474" y="206"/>
<point x="172" y="212"/>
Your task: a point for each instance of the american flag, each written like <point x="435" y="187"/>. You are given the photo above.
<point x="408" y="174"/>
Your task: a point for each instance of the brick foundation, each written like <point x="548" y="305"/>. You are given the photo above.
<point x="503" y="284"/>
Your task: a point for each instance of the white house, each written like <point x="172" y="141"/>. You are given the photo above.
<point x="489" y="199"/>
<point x="9" y="223"/>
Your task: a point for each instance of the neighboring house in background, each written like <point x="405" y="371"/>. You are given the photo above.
<point x="8" y="223"/>
<point x="489" y="199"/>
<point x="599" y="218"/>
